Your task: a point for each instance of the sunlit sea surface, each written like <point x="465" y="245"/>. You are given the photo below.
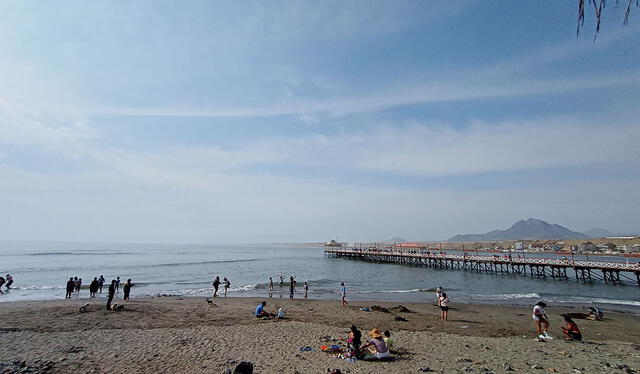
<point x="40" y="271"/>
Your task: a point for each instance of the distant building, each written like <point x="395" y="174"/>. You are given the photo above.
<point x="333" y="244"/>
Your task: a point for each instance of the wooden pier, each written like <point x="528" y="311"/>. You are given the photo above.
<point x="608" y="272"/>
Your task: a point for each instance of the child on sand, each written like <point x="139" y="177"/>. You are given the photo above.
<point x="541" y="319"/>
<point x="387" y="340"/>
<point x="571" y="331"/>
<point x="354" y="340"/>
<point x="438" y="294"/>
<point x="444" y="306"/>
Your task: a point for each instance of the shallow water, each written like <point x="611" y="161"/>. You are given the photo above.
<point x="40" y="271"/>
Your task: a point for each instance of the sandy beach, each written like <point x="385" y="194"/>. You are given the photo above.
<point x="186" y="335"/>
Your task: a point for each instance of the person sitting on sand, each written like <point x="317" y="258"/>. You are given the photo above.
<point x="387" y="340"/>
<point x="260" y="312"/>
<point x="571" y="331"/>
<point x="541" y="319"/>
<point x="354" y="340"/>
<point x="595" y="314"/>
<point x="281" y="314"/>
<point x="377" y="348"/>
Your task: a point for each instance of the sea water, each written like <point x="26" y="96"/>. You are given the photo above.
<point x="40" y="271"/>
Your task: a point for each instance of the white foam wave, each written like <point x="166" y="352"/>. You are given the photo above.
<point x="508" y="296"/>
<point x="34" y="287"/>
<point x="392" y="291"/>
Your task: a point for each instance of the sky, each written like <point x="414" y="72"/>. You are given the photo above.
<point x="304" y="121"/>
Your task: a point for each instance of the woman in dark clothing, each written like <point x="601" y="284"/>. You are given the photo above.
<point x="71" y="285"/>
<point x="93" y="287"/>
<point x="216" y="284"/>
<point x="112" y="293"/>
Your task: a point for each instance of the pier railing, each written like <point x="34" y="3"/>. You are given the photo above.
<point x="585" y="270"/>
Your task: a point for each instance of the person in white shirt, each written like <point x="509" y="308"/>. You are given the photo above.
<point x="444" y="306"/>
<point x="541" y="320"/>
<point x="343" y="294"/>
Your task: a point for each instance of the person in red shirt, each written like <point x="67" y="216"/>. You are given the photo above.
<point x="571" y="331"/>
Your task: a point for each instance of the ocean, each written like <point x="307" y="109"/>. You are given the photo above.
<point x="40" y="271"/>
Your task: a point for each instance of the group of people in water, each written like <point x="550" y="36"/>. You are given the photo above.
<point x="74" y="285"/>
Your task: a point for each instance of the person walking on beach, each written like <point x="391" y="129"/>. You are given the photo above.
<point x="100" y="283"/>
<point x="306" y="290"/>
<point x="216" y="284"/>
<point x="71" y="285"/>
<point x="343" y="294"/>
<point x="292" y="286"/>
<point x="281" y="281"/>
<point x="93" y="287"/>
<point x="117" y="284"/>
<point x="111" y="294"/>
<point x="227" y="284"/>
<point x="9" y="281"/>
<point x="444" y="306"/>
<point x="126" y="288"/>
<point x="270" y="284"/>
<point x="541" y="319"/>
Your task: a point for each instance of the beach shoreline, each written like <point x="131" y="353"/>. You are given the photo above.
<point x="186" y="334"/>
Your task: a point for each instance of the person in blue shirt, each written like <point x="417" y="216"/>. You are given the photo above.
<point x="260" y="312"/>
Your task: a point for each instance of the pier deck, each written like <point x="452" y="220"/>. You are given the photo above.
<point x="609" y="272"/>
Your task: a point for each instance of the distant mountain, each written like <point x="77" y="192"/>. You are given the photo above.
<point x="603" y="233"/>
<point x="394" y="240"/>
<point x="522" y="230"/>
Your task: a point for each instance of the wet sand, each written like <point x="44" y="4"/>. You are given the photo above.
<point x="187" y="335"/>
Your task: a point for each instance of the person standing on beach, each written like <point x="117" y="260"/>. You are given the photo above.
<point x="343" y="294"/>
<point x="111" y="294"/>
<point x="78" y="285"/>
<point x="216" y="284"/>
<point x="93" y="287"/>
<point x="281" y="281"/>
<point x="71" y="285"/>
<point x="75" y="284"/>
<point x="270" y="284"/>
<point x="100" y="283"/>
<point x="438" y="294"/>
<point x="127" y="288"/>
<point x="1" y="283"/>
<point x="9" y="281"/>
<point x="444" y="306"/>
<point x="306" y="290"/>
<point x="541" y="319"/>
<point x="117" y="284"/>
<point x="292" y="286"/>
<point x="227" y="284"/>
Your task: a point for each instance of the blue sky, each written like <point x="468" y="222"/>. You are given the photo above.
<point x="164" y="121"/>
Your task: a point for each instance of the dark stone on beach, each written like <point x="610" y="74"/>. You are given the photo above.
<point x="379" y="308"/>
<point x="401" y="309"/>
<point x="427" y="369"/>
<point x="398" y="318"/>
<point x="537" y="366"/>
